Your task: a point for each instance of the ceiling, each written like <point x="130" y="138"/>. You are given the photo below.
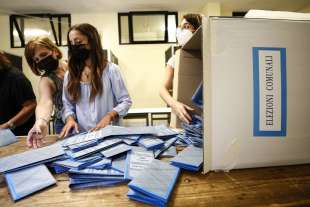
<point x="280" y="5"/>
<point x="88" y="6"/>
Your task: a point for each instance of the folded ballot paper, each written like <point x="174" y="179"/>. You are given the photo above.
<point x="58" y="169"/>
<point x="105" y="144"/>
<point x="193" y="132"/>
<point x="168" y="143"/>
<point x="7" y="137"/>
<point x="129" y="141"/>
<point x="190" y="158"/>
<point x="77" y="164"/>
<point x="88" y="136"/>
<point x="102" y="164"/>
<point x="160" y="131"/>
<point x="94" y="178"/>
<point x="155" y="184"/>
<point x="164" y="132"/>
<point x="197" y="97"/>
<point x="170" y="152"/>
<point x="137" y="159"/>
<point x="135" y="195"/>
<point x="116" y="150"/>
<point x="130" y="137"/>
<point x="83" y="145"/>
<point x="96" y="173"/>
<point x="119" y="163"/>
<point x="150" y="142"/>
<point x="27" y="181"/>
<point x="80" y="138"/>
<point x="31" y="158"/>
<point x="80" y="183"/>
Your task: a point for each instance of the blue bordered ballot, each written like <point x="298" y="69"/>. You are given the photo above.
<point x="269" y="77"/>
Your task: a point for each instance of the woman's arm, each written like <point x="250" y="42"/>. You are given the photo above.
<point x="167" y="85"/>
<point x="180" y="109"/>
<point x="68" y="115"/>
<point x="121" y="96"/>
<point x="120" y="91"/>
<point x="45" y="106"/>
<point x="43" y="112"/>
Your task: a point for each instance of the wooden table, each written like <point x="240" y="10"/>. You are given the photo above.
<point x="276" y="186"/>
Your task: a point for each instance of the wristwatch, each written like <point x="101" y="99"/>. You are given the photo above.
<point x="11" y="125"/>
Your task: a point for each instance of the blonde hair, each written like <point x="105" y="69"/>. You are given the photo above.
<point x="30" y="50"/>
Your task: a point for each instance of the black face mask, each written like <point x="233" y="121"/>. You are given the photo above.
<point x="79" y="52"/>
<point x="48" y="64"/>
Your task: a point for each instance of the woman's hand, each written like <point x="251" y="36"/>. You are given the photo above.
<point x="4" y="126"/>
<point x="106" y="120"/>
<point x="70" y="124"/>
<point x="181" y="110"/>
<point x="37" y="134"/>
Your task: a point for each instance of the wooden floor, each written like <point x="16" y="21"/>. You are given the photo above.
<point x="277" y="186"/>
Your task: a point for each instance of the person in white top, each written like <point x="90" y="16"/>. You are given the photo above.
<point x="190" y="23"/>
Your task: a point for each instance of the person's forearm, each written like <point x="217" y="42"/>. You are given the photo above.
<point x="113" y="115"/>
<point x="69" y="118"/>
<point x="44" y="110"/>
<point x="122" y="108"/>
<point x="165" y="95"/>
<point x="24" y="114"/>
<point x="106" y="120"/>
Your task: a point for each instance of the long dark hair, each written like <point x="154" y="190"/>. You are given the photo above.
<point x="97" y="60"/>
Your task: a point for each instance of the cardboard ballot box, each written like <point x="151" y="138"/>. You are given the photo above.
<point x="256" y="83"/>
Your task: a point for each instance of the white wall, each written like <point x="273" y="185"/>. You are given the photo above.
<point x="212" y="9"/>
<point x="226" y="12"/>
<point x="142" y="66"/>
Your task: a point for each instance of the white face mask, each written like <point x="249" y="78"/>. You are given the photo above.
<point x="183" y="35"/>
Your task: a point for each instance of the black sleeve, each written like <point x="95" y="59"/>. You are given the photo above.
<point x="23" y="90"/>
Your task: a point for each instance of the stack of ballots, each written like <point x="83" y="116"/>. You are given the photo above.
<point x="190" y="158"/>
<point x="155" y="184"/>
<point x="100" y="158"/>
<point x="193" y="132"/>
<point x="106" y="157"/>
<point x="25" y="173"/>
